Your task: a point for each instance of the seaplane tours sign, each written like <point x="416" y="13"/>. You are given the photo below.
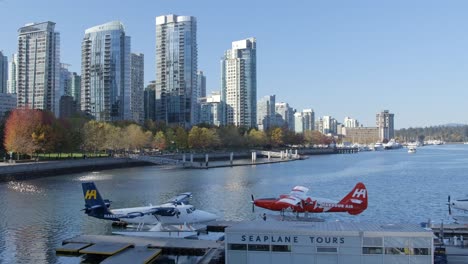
<point x="287" y="239"/>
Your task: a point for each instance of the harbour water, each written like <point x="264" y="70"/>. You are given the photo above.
<point x="37" y="215"/>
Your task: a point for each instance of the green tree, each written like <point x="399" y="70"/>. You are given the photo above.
<point x="181" y="138"/>
<point x="257" y="138"/>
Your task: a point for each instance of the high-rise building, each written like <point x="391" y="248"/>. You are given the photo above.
<point x="3" y="73"/>
<point x="239" y="83"/>
<point x="298" y="122"/>
<point x="105" y="69"/>
<point x="39" y="67"/>
<point x="308" y="116"/>
<point x="350" y="122"/>
<point x="201" y="84"/>
<point x="266" y="114"/>
<point x="285" y="115"/>
<point x="65" y="80"/>
<point x="176" y="70"/>
<point x="149" y="100"/>
<point x="137" y="66"/>
<point x="211" y="110"/>
<point x="75" y="89"/>
<point x="7" y="103"/>
<point x="329" y="125"/>
<point x="13" y="74"/>
<point x="384" y="121"/>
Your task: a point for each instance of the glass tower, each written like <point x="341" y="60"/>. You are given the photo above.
<point x="39" y="67"/>
<point x="105" y="69"/>
<point x="176" y="70"/>
<point x="13" y="74"/>
<point x="239" y="83"/>
<point x="3" y="73"/>
<point x="137" y="66"/>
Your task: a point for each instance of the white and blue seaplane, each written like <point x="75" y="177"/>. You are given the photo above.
<point x="175" y="214"/>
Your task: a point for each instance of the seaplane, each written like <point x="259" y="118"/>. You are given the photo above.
<point x="460" y="204"/>
<point x="176" y="211"/>
<point x="298" y="201"/>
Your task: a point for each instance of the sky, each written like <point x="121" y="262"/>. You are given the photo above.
<point x="340" y="58"/>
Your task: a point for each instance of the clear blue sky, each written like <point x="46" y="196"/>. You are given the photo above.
<point x="341" y="58"/>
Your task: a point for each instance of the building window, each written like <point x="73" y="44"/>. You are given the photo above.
<point x="327" y="250"/>
<point x="396" y="251"/>
<point x="371" y="250"/>
<point x="421" y="251"/>
<point x="237" y="247"/>
<point x="259" y="247"/>
<point x="281" y="248"/>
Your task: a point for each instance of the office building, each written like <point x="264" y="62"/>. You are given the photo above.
<point x="308" y="117"/>
<point x="350" y="122"/>
<point x="13" y="74"/>
<point x="298" y="122"/>
<point x="105" y="69"/>
<point x="39" y="67"/>
<point x="149" y="97"/>
<point x="384" y="121"/>
<point x="361" y="135"/>
<point x="284" y="115"/>
<point x="137" y="66"/>
<point x="176" y="70"/>
<point x="201" y="84"/>
<point x="211" y="110"/>
<point x="75" y="90"/>
<point x="7" y="103"/>
<point x="3" y="73"/>
<point x="266" y="114"/>
<point x="239" y="83"/>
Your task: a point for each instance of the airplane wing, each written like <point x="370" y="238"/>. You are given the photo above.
<point x="292" y="200"/>
<point x="181" y="198"/>
<point x="300" y="192"/>
<point x="162" y="211"/>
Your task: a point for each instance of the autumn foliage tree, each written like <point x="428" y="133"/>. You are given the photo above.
<point x="20" y="127"/>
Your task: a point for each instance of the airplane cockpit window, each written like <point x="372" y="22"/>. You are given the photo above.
<point x="192" y="209"/>
<point x="189" y="211"/>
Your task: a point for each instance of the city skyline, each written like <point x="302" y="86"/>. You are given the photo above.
<point x="349" y="59"/>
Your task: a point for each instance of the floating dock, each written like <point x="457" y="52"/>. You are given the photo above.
<point x="125" y="249"/>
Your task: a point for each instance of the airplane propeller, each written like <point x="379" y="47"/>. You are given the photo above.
<point x="253" y="203"/>
<point x="449" y="206"/>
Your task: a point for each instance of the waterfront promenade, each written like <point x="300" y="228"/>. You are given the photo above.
<point x="33" y="169"/>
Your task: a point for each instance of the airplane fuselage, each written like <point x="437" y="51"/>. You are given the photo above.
<point x="176" y="215"/>
<point x="310" y="205"/>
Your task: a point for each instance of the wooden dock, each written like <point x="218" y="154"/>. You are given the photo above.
<point x="124" y="249"/>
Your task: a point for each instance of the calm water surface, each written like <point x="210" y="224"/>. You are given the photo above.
<point x="37" y="215"/>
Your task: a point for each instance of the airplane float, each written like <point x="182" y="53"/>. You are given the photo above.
<point x="298" y="201"/>
<point x="176" y="211"/>
<point x="460" y="204"/>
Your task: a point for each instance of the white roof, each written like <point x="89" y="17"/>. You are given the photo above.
<point x="113" y="25"/>
<point x="330" y="228"/>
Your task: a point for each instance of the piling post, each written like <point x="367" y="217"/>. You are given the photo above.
<point x="231" y="158"/>
<point x="206" y="160"/>
<point x="269" y="155"/>
<point x="191" y="158"/>
<point x="297" y="156"/>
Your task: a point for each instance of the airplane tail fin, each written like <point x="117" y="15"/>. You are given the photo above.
<point x="356" y="200"/>
<point x="94" y="204"/>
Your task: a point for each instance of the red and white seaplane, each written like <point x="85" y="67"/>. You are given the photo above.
<point x="298" y="201"/>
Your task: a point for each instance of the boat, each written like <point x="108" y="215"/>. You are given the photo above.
<point x="378" y="146"/>
<point x="392" y="144"/>
<point x="411" y="150"/>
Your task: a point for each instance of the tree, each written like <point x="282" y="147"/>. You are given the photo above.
<point x="181" y="138"/>
<point x="19" y="129"/>
<point x="277" y="137"/>
<point x="159" y="141"/>
<point x="257" y="138"/>
<point x="194" y="138"/>
<point x="231" y="137"/>
<point x="94" y="134"/>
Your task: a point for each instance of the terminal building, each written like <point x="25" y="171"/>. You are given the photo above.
<point x="327" y="243"/>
